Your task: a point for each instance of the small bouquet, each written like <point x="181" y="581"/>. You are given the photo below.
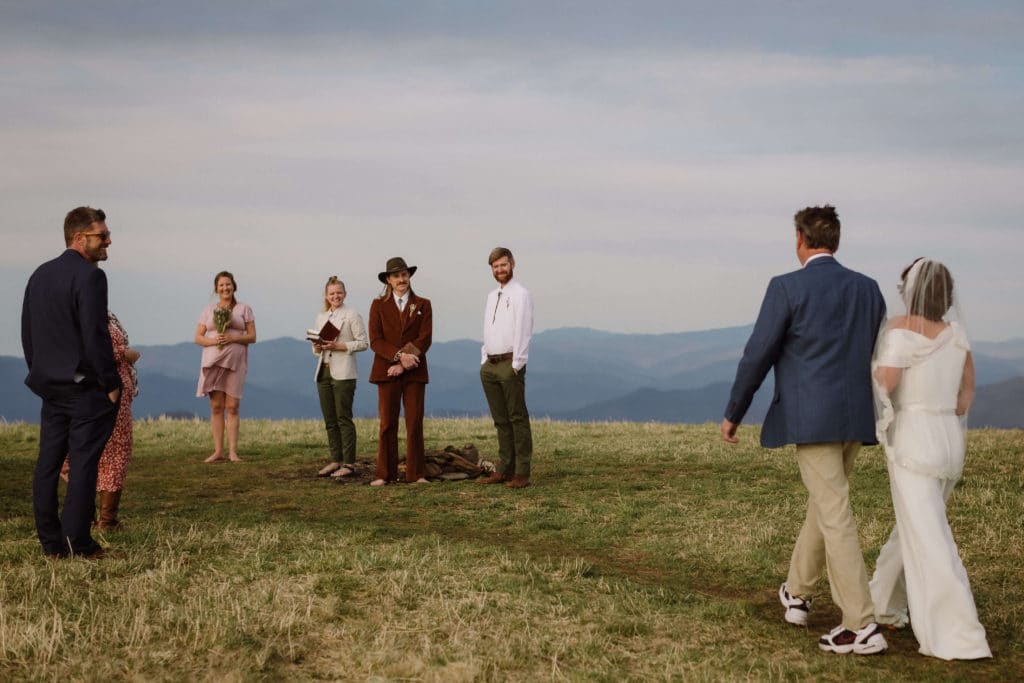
<point x="221" y="319"/>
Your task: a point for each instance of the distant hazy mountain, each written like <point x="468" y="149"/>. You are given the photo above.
<point x="999" y="405"/>
<point x="681" y="405"/>
<point x="998" y="361"/>
<point x="17" y="403"/>
<point x="574" y="373"/>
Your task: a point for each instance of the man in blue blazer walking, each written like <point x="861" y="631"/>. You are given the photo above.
<point x="817" y="329"/>
<point x="66" y="340"/>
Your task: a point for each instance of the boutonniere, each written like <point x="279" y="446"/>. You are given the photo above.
<point x="412" y="308"/>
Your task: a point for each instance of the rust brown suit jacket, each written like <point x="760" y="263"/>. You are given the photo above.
<point x="390" y="331"/>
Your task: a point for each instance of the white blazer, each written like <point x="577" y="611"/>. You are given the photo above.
<point x="353" y="334"/>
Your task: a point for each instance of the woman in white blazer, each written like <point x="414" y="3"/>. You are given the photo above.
<point x="336" y="376"/>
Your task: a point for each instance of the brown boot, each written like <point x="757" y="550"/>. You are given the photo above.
<point x="495" y="478"/>
<point x="109" y="503"/>
<point x="518" y="482"/>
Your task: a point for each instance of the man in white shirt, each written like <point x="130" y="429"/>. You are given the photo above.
<point x="508" y="326"/>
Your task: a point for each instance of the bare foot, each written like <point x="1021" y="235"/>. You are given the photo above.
<point x="215" y="457"/>
<point x="234" y="458"/>
<point x="327" y="469"/>
<point x="377" y="482"/>
<point x="422" y="480"/>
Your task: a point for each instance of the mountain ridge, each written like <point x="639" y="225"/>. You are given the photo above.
<point x="574" y="374"/>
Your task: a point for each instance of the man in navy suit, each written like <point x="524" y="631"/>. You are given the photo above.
<point x="817" y="329"/>
<point x="66" y="340"/>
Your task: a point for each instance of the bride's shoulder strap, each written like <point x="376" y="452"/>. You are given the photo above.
<point x="960" y="336"/>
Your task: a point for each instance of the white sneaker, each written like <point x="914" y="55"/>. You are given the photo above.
<point x="896" y="620"/>
<point x="797" y="609"/>
<point x="866" y="641"/>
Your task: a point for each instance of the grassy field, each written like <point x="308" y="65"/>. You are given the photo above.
<point x="642" y="552"/>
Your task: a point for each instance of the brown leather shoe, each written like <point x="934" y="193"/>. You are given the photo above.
<point x="495" y="478"/>
<point x="518" y="482"/>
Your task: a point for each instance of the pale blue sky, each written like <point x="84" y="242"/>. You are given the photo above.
<point x="643" y="160"/>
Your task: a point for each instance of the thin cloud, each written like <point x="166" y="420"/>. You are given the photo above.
<point x="624" y="155"/>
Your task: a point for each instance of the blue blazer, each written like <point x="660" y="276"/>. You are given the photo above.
<point x="817" y="329"/>
<point x="64" y="330"/>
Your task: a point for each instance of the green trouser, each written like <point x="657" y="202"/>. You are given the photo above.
<point x="506" y="395"/>
<point x="336" y="405"/>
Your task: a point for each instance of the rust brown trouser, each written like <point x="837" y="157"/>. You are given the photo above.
<point x="391" y="397"/>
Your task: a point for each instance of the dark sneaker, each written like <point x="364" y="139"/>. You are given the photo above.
<point x="796" y="608"/>
<point x="867" y="641"/>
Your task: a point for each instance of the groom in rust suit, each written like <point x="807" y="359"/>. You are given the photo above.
<point x="401" y="328"/>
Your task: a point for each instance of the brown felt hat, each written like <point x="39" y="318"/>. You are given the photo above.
<point x="395" y="265"/>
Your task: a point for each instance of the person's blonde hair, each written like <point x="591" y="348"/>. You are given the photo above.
<point x="333" y="280"/>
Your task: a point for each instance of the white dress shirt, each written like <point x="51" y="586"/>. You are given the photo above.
<point x="829" y="255"/>
<point x="508" y="323"/>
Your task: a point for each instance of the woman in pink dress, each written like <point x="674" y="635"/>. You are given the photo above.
<point x="225" y="330"/>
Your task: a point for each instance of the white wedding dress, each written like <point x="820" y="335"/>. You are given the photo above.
<point x="919" y="574"/>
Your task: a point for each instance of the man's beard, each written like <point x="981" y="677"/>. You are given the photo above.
<point x="96" y="255"/>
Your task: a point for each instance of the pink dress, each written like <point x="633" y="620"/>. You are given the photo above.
<point x="224" y="368"/>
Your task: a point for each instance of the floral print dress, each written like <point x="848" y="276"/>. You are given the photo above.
<point x="117" y="454"/>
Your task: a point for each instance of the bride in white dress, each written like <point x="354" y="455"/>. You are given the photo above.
<point x="924" y="383"/>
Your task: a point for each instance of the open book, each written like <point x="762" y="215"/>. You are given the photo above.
<point x="327" y="333"/>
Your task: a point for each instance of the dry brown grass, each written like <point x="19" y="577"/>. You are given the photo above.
<point x="642" y="552"/>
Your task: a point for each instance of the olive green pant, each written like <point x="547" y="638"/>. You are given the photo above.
<point x="506" y="396"/>
<point x="336" y="397"/>
<point x="828" y="538"/>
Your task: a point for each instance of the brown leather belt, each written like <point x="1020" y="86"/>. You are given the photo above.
<point x="499" y="358"/>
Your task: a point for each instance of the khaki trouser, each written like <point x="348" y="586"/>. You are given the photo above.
<point x="828" y="538"/>
<point x="506" y="397"/>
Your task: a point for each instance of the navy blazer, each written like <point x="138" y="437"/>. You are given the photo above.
<point x="817" y="328"/>
<point x="64" y="328"/>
